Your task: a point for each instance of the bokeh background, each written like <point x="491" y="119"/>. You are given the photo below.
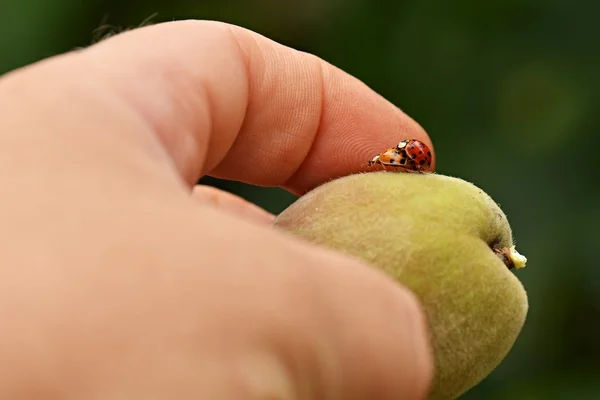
<point x="507" y="90"/>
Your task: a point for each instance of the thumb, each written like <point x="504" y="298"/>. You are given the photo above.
<point x="335" y="327"/>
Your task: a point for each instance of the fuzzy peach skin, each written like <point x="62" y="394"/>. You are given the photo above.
<point x="437" y="235"/>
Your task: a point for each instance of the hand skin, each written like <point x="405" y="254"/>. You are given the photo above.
<point x="119" y="280"/>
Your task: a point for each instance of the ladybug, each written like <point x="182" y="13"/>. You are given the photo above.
<point x="393" y="157"/>
<point x="417" y="151"/>
<point x="410" y="155"/>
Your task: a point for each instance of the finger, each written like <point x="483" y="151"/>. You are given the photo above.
<point x="225" y="101"/>
<point x="225" y="201"/>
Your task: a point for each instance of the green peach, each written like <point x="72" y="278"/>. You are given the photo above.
<point x="443" y="238"/>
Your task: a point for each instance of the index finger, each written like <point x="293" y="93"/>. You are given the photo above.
<point x="233" y="104"/>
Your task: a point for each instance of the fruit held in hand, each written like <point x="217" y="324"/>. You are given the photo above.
<point x="447" y="241"/>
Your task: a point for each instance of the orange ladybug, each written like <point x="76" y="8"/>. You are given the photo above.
<point x="394" y="158"/>
<point x="409" y="154"/>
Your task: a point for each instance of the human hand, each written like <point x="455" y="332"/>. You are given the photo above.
<point x="117" y="283"/>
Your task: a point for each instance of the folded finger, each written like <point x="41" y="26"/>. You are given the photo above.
<point x="225" y="201"/>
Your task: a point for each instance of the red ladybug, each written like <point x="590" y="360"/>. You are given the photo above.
<point x="417" y="151"/>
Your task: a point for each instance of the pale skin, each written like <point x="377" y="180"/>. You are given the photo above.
<point x="121" y="280"/>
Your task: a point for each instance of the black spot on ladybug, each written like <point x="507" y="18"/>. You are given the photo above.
<point x="403" y="161"/>
<point x="412" y="146"/>
<point x="422" y="162"/>
<point x="413" y="156"/>
<point x="391" y="161"/>
<point x="421" y="152"/>
<point x="429" y="153"/>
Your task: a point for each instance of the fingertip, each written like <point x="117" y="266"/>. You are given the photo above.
<point x="382" y="340"/>
<point x="424" y="361"/>
<point x="406" y="361"/>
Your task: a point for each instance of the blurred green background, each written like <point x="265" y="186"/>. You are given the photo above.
<point x="506" y="89"/>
